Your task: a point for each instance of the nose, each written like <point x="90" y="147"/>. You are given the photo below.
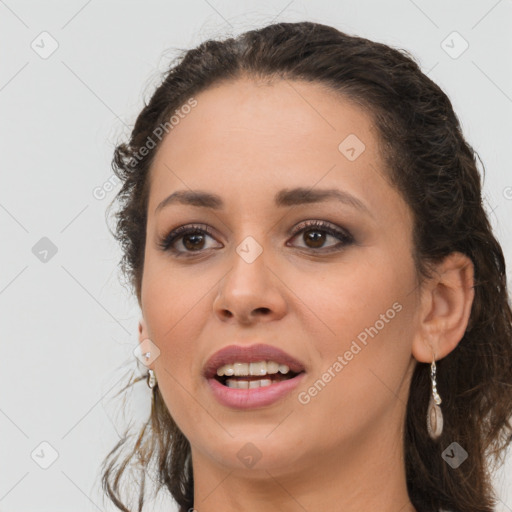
<point x="250" y="292"/>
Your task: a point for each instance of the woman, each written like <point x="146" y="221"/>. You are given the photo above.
<point x="324" y="306"/>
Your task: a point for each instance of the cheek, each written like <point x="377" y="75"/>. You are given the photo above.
<point x="176" y="309"/>
<point x="345" y="301"/>
<point x="366" y="309"/>
<point x="175" y="316"/>
<point x="172" y="295"/>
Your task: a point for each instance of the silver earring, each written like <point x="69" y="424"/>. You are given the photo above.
<point x="434" y="413"/>
<point x="151" y="379"/>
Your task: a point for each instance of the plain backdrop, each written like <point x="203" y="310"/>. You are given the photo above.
<point x="73" y="77"/>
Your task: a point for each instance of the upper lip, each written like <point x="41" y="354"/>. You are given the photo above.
<point x="249" y="354"/>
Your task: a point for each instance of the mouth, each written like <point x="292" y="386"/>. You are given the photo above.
<point x="263" y="361"/>
<point x="252" y="376"/>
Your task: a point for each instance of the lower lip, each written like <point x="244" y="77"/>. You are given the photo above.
<point x="256" y="397"/>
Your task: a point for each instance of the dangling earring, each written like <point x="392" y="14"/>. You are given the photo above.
<point x="151" y="377"/>
<point x="151" y="380"/>
<point x="434" y="413"/>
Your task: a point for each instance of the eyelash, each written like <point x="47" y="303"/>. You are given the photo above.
<point x="166" y="242"/>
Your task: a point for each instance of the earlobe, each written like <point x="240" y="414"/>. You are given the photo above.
<point x="445" y="308"/>
<point x="148" y="351"/>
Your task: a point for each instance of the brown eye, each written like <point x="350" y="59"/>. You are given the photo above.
<point x="316" y="233"/>
<point x="192" y="239"/>
<point x="314" y="237"/>
<point x="193" y="242"/>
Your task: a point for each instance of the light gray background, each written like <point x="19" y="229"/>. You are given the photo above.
<point x="68" y="326"/>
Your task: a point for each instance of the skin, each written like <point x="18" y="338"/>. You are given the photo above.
<point x="343" y="449"/>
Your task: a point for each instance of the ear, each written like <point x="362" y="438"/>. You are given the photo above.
<point x="143" y="330"/>
<point x="147" y="346"/>
<point x="445" y="307"/>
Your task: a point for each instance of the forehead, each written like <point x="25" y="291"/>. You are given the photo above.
<point x="282" y="113"/>
<point x="250" y="137"/>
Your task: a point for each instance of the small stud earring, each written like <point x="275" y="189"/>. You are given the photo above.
<point x="151" y="380"/>
<point x="434" y="413"/>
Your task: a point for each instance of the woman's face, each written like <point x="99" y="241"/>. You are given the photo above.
<point x="339" y="297"/>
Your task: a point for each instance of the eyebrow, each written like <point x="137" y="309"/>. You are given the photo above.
<point x="285" y="197"/>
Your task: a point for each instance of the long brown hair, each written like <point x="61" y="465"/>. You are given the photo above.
<point x="431" y="164"/>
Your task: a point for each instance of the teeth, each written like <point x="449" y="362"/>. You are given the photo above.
<point x="255" y="369"/>
<point x="247" y="384"/>
<point x="241" y="369"/>
<point x="283" y="368"/>
<point x="258" y="368"/>
<point x="272" y="367"/>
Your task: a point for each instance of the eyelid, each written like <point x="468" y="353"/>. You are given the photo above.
<point x="321" y="225"/>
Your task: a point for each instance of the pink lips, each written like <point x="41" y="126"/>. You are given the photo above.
<point x="255" y="397"/>
<point x="250" y="354"/>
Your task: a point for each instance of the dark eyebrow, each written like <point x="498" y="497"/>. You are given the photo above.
<point x="285" y="197"/>
<point x="301" y="195"/>
<point x="193" y="198"/>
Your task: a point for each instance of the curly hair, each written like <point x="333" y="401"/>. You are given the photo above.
<point x="431" y="164"/>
